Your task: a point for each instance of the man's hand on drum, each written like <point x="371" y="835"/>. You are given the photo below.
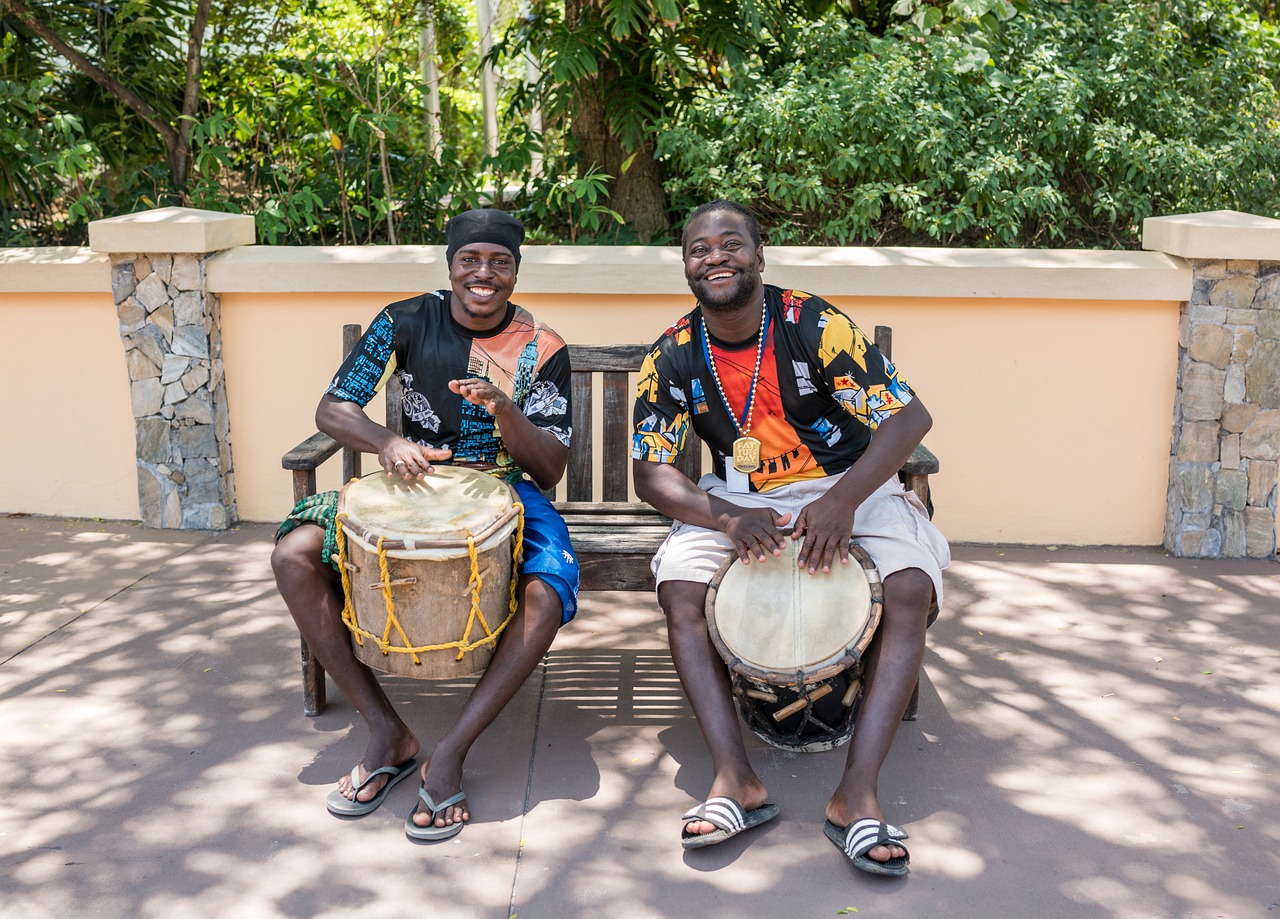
<point x="482" y="392"/>
<point x="408" y="460"/>
<point x="756" y="530"/>
<point x="825" y="525"/>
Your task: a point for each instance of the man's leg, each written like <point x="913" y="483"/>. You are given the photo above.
<point x="892" y="668"/>
<point x="312" y="591"/>
<point x="522" y="646"/>
<point x="706" y="685"/>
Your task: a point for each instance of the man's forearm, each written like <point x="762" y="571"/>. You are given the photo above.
<point x="891" y="446"/>
<point x="535" y="450"/>
<point x="670" y="492"/>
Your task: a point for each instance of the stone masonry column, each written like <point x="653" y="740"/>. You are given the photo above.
<point x="1226" y="428"/>
<point x="171" y="329"/>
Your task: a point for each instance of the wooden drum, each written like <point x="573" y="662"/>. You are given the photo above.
<point x="428" y="569"/>
<point x="793" y="643"/>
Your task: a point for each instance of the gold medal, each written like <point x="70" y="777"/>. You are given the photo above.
<point x="746" y="454"/>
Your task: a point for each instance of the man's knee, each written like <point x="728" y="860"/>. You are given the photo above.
<point x="297" y="555"/>
<point x="908" y="590"/>
<point x="683" y="602"/>
<point x="542" y="604"/>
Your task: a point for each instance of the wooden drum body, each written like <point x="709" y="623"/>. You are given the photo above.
<point x="428" y="570"/>
<point x="793" y="643"/>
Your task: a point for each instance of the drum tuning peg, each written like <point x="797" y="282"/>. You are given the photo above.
<point x="851" y="693"/>
<point x="788" y="710"/>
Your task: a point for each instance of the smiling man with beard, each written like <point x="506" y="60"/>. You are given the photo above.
<point x="808" y="424"/>
<point x="486" y="385"/>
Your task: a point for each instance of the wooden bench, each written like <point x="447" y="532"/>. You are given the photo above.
<point x="613" y="535"/>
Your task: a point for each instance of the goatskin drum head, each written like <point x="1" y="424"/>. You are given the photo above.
<point x="776" y="617"/>
<point x="450" y="504"/>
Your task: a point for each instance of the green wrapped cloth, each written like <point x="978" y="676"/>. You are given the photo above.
<point x="321" y="509"/>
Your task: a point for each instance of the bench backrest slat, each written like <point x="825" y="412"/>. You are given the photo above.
<point x="351" y="458"/>
<point x="599" y="358"/>
<point x="618" y="398"/>
<point x="580" y="457"/>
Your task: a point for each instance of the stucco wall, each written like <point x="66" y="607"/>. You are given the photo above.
<point x="67" y="446"/>
<point x="1052" y="415"/>
<point x="1050" y="375"/>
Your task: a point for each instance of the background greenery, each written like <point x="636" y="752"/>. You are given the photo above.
<point x="901" y="122"/>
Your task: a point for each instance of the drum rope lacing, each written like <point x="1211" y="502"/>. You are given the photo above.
<point x="463" y="644"/>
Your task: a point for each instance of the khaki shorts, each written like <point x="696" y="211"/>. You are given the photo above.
<point x="891" y="525"/>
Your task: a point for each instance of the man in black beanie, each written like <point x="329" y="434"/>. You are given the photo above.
<point x="486" y="385"/>
<point x="486" y="225"/>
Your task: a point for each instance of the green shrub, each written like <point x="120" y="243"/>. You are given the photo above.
<point x="1085" y="119"/>
<point x="48" y="164"/>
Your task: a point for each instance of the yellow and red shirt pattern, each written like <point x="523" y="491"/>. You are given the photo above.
<point x="823" y="389"/>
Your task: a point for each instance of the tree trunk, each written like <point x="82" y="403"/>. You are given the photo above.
<point x="636" y="194"/>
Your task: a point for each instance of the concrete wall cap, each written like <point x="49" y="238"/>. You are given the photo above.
<point x="1214" y="235"/>
<point x="171" y="229"/>
<point x="833" y="271"/>
<point x="54" y="269"/>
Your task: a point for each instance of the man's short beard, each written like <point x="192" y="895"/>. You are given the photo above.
<point x="729" y="304"/>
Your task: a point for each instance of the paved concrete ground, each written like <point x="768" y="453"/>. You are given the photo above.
<point x="1099" y="737"/>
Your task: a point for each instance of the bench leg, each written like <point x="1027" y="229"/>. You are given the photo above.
<point x="920" y="485"/>
<point x="313" y="686"/>
<point x="913" y="706"/>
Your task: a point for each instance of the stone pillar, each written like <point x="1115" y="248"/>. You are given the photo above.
<point x="170" y="326"/>
<point x="1226" y="429"/>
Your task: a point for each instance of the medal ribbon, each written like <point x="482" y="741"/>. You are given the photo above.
<point x="755" y="374"/>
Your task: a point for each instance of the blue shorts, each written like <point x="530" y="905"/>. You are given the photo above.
<point x="548" y="554"/>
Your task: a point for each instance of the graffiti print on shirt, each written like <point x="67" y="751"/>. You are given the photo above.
<point x="545" y="399"/>
<point x="416" y="407"/>
<point x="657" y="442"/>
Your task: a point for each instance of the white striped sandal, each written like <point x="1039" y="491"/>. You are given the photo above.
<point x="728" y="818"/>
<point x="861" y="836"/>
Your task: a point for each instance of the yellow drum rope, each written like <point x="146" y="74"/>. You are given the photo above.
<point x="462" y="644"/>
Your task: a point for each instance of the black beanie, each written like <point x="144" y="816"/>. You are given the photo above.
<point x="484" y="225"/>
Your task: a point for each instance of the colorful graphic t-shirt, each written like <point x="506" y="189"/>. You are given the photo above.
<point x="823" y="388"/>
<point x="418" y="340"/>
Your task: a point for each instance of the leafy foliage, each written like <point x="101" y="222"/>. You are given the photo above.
<point x="48" y="165"/>
<point x="1085" y="119"/>
<point x="652" y="55"/>
<point x="961" y="122"/>
<point x="312" y="119"/>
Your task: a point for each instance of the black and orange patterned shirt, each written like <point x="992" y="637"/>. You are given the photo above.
<point x="823" y="388"/>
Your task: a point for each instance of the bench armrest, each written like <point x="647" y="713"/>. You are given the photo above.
<point x="309" y="454"/>
<point x="922" y="462"/>
<point x="305" y="458"/>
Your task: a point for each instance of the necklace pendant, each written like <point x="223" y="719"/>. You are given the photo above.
<point x="746" y="454"/>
